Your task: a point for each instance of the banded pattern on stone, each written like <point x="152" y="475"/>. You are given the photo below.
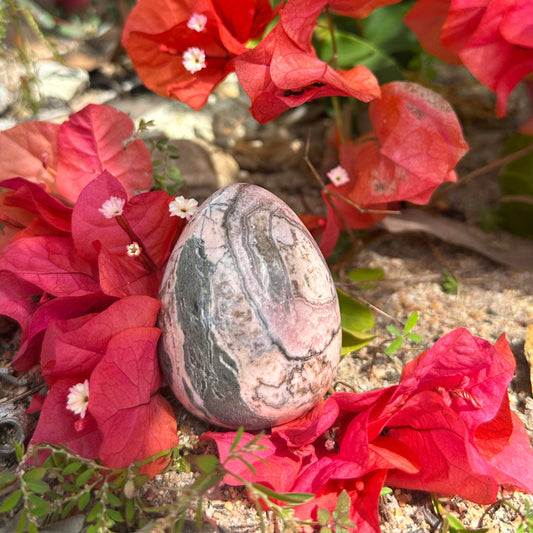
<point x="250" y="316"/>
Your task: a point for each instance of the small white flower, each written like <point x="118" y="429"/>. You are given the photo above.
<point x="197" y="22"/>
<point x="78" y="398"/>
<point x="180" y="207"/>
<point x="194" y="59"/>
<point x="338" y="176"/>
<point x="133" y="249"/>
<point x="113" y="207"/>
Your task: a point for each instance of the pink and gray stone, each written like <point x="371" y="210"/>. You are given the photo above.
<point x="250" y="316"/>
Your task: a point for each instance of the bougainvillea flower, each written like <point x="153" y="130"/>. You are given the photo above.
<point x="500" y="52"/>
<point x="29" y="151"/>
<point x="328" y="477"/>
<point x="415" y="146"/>
<point x="491" y="37"/>
<point x="419" y="140"/>
<point x="76" y="345"/>
<point x="446" y="427"/>
<point x="103" y="239"/>
<point x="51" y="263"/>
<point x="183" y="48"/>
<point x="95" y="139"/>
<point x="275" y="465"/>
<point x="426" y="20"/>
<point x="114" y="350"/>
<point x="67" y="157"/>
<point x="453" y="402"/>
<point x="135" y="421"/>
<point x="59" y="425"/>
<point x="43" y="312"/>
<point x="283" y="71"/>
<point x="34" y="199"/>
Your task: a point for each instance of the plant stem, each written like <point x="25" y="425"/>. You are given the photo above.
<point x="334" y="63"/>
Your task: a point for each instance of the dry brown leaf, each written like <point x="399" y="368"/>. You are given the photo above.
<point x="505" y="249"/>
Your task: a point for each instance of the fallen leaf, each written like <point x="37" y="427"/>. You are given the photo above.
<point x="509" y="250"/>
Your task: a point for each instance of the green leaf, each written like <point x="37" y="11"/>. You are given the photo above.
<point x="412" y="319"/>
<point x="32" y="528"/>
<point x="38" y="486"/>
<point x="66" y="510"/>
<point x="207" y="463"/>
<point x="352" y="343"/>
<point x="323" y="516"/>
<point x="361" y="275"/>
<point x="384" y="28"/>
<point x="39" y="507"/>
<point x="516" y="179"/>
<point x="414" y="337"/>
<point x="115" y="515"/>
<point x="6" y="479"/>
<point x="10" y="501"/>
<point x="293" y="498"/>
<point x="396" y="344"/>
<point x="84" y="477"/>
<point x="19" y="450"/>
<point x="129" y="510"/>
<point x="238" y="436"/>
<point x="35" y="474"/>
<point x="140" y="480"/>
<point x="355" y="317"/>
<point x="94" y="512"/>
<point x="394" y="331"/>
<point x="114" y="500"/>
<point x="23" y="519"/>
<point x="343" y="506"/>
<point x="353" y="50"/>
<point x="71" y="468"/>
<point x="449" y="283"/>
<point x="83" y="500"/>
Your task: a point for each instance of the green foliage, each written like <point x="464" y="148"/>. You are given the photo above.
<point x="64" y="483"/>
<point x="356" y="321"/>
<point x="516" y="185"/>
<point x="49" y="489"/>
<point x="362" y="275"/>
<point x="381" y="42"/>
<point x="405" y="334"/>
<point x="339" y="520"/>
<point x="449" y="283"/>
<point x="166" y="176"/>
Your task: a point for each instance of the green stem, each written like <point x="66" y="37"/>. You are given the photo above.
<point x="334" y="63"/>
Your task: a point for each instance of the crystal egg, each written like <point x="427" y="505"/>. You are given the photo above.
<point x="250" y="319"/>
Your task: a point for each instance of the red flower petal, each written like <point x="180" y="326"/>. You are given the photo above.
<point x="51" y="263"/>
<point x="496" y="62"/>
<point x="59" y="425"/>
<point x="29" y="151"/>
<point x="135" y="424"/>
<point x="77" y="345"/>
<point x="94" y="140"/>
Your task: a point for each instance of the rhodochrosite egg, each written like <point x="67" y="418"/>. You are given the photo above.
<point x="250" y="316"/>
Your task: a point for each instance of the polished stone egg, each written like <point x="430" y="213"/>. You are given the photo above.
<point x="250" y="316"/>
